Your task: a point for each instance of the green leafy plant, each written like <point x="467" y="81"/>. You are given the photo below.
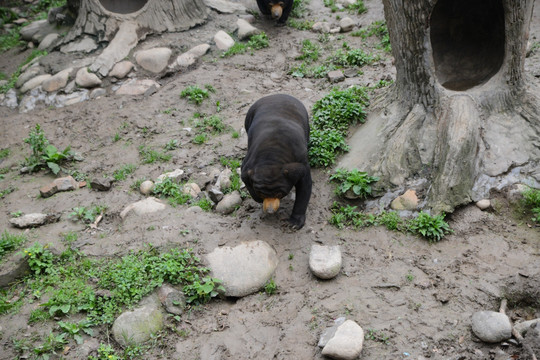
<point x="195" y="94"/>
<point x="172" y="190"/>
<point x="377" y="335"/>
<point x="531" y="200"/>
<point x="357" y="7"/>
<point x="86" y="215"/>
<point x="202" y="291"/>
<point x="300" y="24"/>
<point x="355" y="181"/>
<point x="76" y="329"/>
<point x="43" y="153"/>
<point x="40" y="259"/>
<point x="270" y="288"/>
<point x="52" y="344"/>
<point x="324" y="146"/>
<point x="433" y="228"/>
<point x="105" y="352"/>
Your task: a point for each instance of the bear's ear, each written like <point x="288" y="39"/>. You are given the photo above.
<point x="294" y="171"/>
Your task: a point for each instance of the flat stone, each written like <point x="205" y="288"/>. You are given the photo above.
<point x="34" y="83"/>
<point x="191" y="56"/>
<point x="245" y="29"/>
<point x="191" y="189"/>
<point x="61" y="184"/>
<point x="335" y="76"/>
<point x="41" y="27"/>
<point x="347" y="342"/>
<point x="346" y="24"/>
<point x="57" y="81"/>
<point x="48" y="41"/>
<point x="85" y="45"/>
<point x="33" y="220"/>
<point x="215" y="195"/>
<point x="491" y="326"/>
<point x="101" y="184"/>
<point x="330" y="332"/>
<point x="154" y="60"/>
<point x="223" y="40"/>
<point x="12" y="268"/>
<point x="28" y="74"/>
<point x="325" y="261"/>
<point x="321" y="27"/>
<point x="174" y="175"/>
<point x="173" y="300"/>
<point x="407" y="201"/>
<point x="96" y="93"/>
<point x="137" y="87"/>
<point x="137" y="326"/>
<point x="142" y="207"/>
<point x="244" y="269"/>
<point x="483" y="204"/>
<point x="229" y="203"/>
<point x="86" y="79"/>
<point x="121" y="69"/>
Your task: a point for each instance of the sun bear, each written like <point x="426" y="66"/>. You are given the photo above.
<point x="279" y="10"/>
<point x="277" y="156"/>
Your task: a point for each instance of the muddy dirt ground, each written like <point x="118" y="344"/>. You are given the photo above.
<point x="426" y="315"/>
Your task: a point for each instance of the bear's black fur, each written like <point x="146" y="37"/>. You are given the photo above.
<point x="278" y="9"/>
<point x="277" y="157"/>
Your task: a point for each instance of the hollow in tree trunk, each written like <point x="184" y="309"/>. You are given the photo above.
<point x="460" y="119"/>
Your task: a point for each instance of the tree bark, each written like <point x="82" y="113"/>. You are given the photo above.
<point x="460" y="119"/>
<point x="102" y="18"/>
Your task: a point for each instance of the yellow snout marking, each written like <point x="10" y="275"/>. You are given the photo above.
<point x="276" y="11"/>
<point x="270" y="205"/>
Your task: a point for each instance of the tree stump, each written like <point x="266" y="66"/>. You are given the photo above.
<point x="122" y="23"/>
<point x="461" y="118"/>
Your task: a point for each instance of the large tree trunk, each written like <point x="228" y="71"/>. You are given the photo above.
<point x="122" y="23"/>
<point x="459" y="120"/>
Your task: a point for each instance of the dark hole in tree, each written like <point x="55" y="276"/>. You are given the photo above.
<point x="467" y="39"/>
<point x="123" y="6"/>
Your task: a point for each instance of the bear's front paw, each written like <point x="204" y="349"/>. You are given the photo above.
<point x="297" y="221"/>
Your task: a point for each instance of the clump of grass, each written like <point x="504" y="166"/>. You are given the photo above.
<point x="310" y="51"/>
<point x="149" y="156"/>
<point x="299" y="8"/>
<point x="15" y="76"/>
<point x="122" y="173"/>
<point x="379" y="29"/>
<point x="10" y="242"/>
<point x="432" y="228"/>
<point x="351" y="57"/>
<point x="196" y="95"/>
<point x="255" y="42"/>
